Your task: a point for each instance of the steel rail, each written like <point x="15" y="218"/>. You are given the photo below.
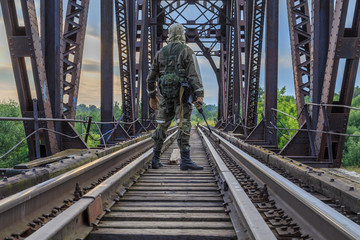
<point x="317" y="218"/>
<point x="251" y="218"/>
<point x="58" y="228"/>
<point x="19" y="209"/>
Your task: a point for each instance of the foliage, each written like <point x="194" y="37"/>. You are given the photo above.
<point x="351" y="154"/>
<point x="210" y="112"/>
<point x="12" y="132"/>
<point x="286" y="104"/>
<point x="83" y="112"/>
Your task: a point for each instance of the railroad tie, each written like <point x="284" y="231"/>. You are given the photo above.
<point x="168" y="203"/>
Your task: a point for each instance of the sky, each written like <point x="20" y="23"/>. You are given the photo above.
<point x="89" y="92"/>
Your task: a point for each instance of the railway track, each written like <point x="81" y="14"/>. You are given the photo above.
<point x="234" y="197"/>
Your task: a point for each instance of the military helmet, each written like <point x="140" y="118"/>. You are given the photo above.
<point x="176" y="33"/>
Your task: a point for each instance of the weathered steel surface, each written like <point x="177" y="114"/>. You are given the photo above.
<point x="300" y="42"/>
<point x="107" y="63"/>
<point x="253" y="77"/>
<point x="344" y="44"/>
<point x="125" y="38"/>
<point x="74" y="38"/>
<point x="52" y="44"/>
<point x="24" y="41"/>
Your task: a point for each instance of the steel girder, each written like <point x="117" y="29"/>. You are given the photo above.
<point x="253" y="73"/>
<point x="221" y="101"/>
<point x="236" y="73"/>
<point x="321" y="149"/>
<point x="321" y="16"/>
<point x="344" y="44"/>
<point x="107" y="63"/>
<point x="24" y="42"/>
<point x="301" y="145"/>
<point x="240" y="28"/>
<point x="271" y="70"/>
<point x="265" y="132"/>
<point x="74" y="37"/>
<point x="229" y="80"/>
<point x="240" y="8"/>
<point x="125" y="39"/>
<point x="52" y="43"/>
<point x="143" y="63"/>
<point x="300" y="42"/>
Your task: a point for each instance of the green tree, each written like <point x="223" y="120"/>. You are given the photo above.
<point x="11" y="133"/>
<point x="210" y="112"/>
<point x="286" y="104"/>
<point x="351" y="154"/>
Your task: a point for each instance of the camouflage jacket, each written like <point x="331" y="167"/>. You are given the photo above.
<point x="187" y="61"/>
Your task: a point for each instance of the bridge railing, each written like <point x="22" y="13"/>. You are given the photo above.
<point x="312" y="131"/>
<point x="104" y="137"/>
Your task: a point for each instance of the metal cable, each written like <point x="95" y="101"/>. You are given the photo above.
<point x="47" y="129"/>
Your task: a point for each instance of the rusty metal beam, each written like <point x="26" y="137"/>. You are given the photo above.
<point x="107" y="63"/>
<point x="300" y="42"/>
<point x="127" y="71"/>
<point x="143" y="49"/>
<point x="253" y="77"/>
<point x="52" y="42"/>
<point x="271" y="68"/>
<point x="321" y="19"/>
<point x="229" y="77"/>
<point x="344" y="44"/>
<point x="74" y="37"/>
<point x="24" y="42"/>
<point x="301" y="145"/>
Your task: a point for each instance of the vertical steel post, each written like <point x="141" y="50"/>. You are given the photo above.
<point x="24" y="41"/>
<point x="142" y="39"/>
<point x="131" y="37"/>
<point x="255" y="52"/>
<point x="320" y="44"/>
<point x="344" y="44"/>
<point x="271" y="66"/>
<point x="52" y="42"/>
<point x="36" y="129"/>
<point x="74" y="38"/>
<point x="238" y="65"/>
<point x="300" y="42"/>
<point x="222" y="97"/>
<point x="107" y="87"/>
<point x="248" y="32"/>
<point x="88" y="129"/>
<point x="126" y="66"/>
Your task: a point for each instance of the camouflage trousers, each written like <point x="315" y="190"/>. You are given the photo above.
<point x="168" y="109"/>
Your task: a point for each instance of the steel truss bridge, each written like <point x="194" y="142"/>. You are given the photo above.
<point x="242" y="153"/>
<point x="229" y="34"/>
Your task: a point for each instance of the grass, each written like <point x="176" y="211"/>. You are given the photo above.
<point x="355" y="169"/>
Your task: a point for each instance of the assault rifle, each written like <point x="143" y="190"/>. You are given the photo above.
<point x="190" y="97"/>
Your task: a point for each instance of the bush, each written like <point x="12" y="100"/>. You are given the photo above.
<point x="11" y="133"/>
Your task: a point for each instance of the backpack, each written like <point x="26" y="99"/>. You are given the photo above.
<point x="171" y="79"/>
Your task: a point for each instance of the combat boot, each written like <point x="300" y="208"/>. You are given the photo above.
<point x="187" y="163"/>
<point x="156" y="160"/>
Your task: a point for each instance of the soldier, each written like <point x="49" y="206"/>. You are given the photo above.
<point x="174" y="65"/>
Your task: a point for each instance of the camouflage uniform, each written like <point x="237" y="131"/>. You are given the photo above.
<point x="170" y="108"/>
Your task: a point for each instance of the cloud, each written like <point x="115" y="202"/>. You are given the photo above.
<point x="91" y="67"/>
